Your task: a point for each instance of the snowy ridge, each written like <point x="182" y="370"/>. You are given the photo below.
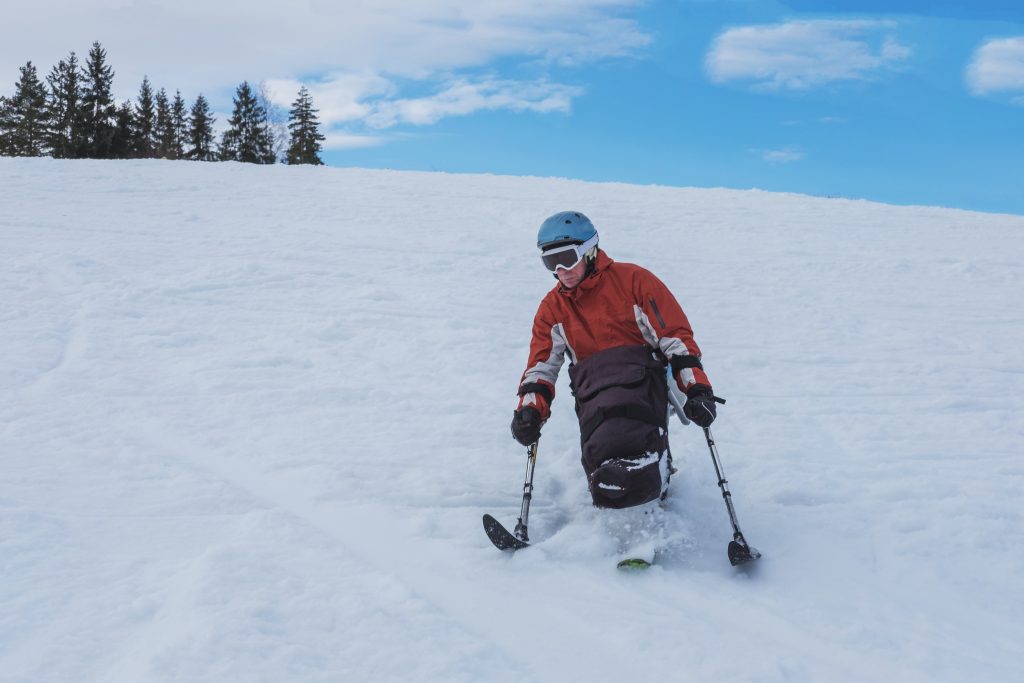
<point x="251" y="416"/>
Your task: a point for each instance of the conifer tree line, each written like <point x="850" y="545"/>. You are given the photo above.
<point x="72" y="115"/>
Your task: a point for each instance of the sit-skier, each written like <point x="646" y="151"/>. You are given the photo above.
<point x="621" y="328"/>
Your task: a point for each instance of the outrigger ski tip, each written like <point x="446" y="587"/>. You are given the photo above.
<point x="501" y="537"/>
<point x="634" y="563"/>
<point x="741" y="553"/>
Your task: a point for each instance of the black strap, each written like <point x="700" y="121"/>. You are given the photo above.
<point x="536" y="388"/>
<point x="640" y="413"/>
<point x="681" y="362"/>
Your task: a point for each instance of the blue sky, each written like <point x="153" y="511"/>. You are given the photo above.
<point x="905" y="130"/>
<point x="899" y="101"/>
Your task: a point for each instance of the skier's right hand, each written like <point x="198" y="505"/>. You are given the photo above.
<point x="526" y="424"/>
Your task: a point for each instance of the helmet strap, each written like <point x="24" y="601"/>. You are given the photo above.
<point x="591" y="259"/>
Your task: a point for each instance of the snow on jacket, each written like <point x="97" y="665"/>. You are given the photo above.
<point x="618" y="304"/>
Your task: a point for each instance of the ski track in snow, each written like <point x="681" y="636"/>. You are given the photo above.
<point x="252" y="416"/>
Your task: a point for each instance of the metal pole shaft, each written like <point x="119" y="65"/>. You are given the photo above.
<point x="723" y="483"/>
<point x="524" y="513"/>
<point x="739" y="551"/>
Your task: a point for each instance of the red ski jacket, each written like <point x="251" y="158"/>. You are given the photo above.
<point x="619" y="304"/>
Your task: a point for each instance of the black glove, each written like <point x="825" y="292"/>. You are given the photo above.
<point x="526" y="425"/>
<point x="700" y="405"/>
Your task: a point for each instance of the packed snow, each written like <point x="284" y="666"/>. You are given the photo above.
<point x="250" y="419"/>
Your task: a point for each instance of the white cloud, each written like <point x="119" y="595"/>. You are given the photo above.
<point x="804" y="54"/>
<point x="372" y="99"/>
<point x="998" y="66"/>
<point x="465" y="97"/>
<point x="370" y="51"/>
<point x="337" y="140"/>
<point x="781" y="156"/>
<point x="341" y="97"/>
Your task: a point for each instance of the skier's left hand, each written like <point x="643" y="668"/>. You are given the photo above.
<point x="700" y="405"/>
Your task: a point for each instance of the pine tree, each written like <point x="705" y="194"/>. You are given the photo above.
<point x="200" y="131"/>
<point x="65" y="108"/>
<point x="26" y="121"/>
<point x="304" y="126"/>
<point x="248" y="137"/>
<point x="145" y="119"/>
<point x="179" y="127"/>
<point x="6" y="149"/>
<point x="125" y="140"/>
<point x="98" y="110"/>
<point x="162" y="132"/>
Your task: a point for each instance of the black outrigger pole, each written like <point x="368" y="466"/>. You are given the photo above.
<point x="499" y="535"/>
<point x="739" y="550"/>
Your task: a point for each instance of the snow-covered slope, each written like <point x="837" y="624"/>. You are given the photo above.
<point x="250" y="418"/>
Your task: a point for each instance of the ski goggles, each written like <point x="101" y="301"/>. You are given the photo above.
<point x="567" y="256"/>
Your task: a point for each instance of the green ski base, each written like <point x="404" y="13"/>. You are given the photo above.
<point x="634" y="563"/>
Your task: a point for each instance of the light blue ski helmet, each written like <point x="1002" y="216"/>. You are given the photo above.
<point x="565" y="227"/>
